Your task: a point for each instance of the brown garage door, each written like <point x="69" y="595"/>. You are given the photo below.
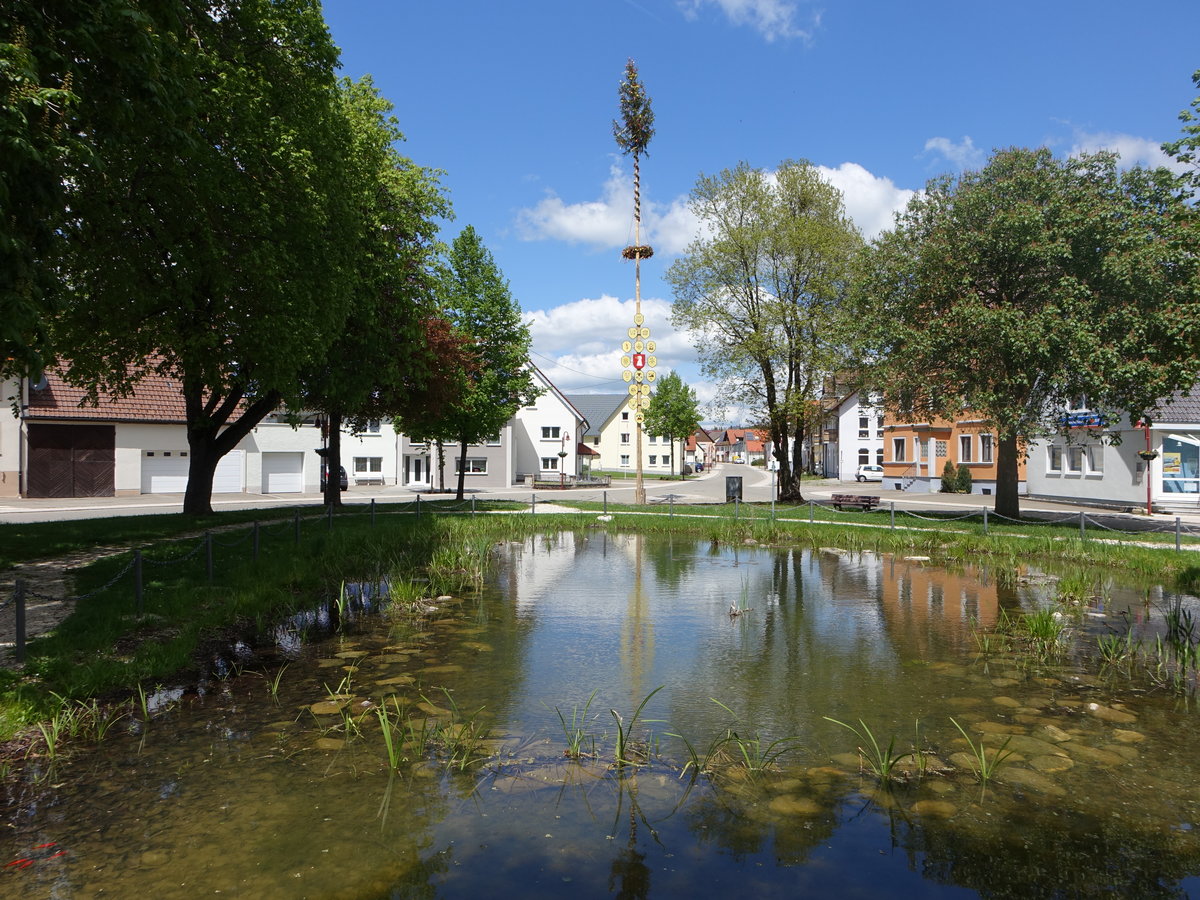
<point x="71" y="460"/>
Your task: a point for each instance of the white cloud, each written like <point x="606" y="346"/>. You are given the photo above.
<point x="607" y="222"/>
<point x="578" y="344"/>
<point x="1133" y="151"/>
<point x="771" y="18"/>
<point x="871" y="200"/>
<point x="963" y="155"/>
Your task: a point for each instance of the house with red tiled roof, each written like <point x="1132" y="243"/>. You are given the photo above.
<point x="55" y="443"/>
<point x="699" y="451"/>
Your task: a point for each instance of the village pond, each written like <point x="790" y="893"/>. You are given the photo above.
<point x="621" y="715"/>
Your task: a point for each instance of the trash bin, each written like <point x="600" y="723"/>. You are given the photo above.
<point x="733" y="488"/>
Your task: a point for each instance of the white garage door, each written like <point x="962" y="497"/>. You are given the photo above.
<point x="230" y="475"/>
<point x="166" y="472"/>
<point x="282" y="473"/>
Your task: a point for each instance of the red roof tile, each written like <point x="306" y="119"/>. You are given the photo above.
<point x="157" y="399"/>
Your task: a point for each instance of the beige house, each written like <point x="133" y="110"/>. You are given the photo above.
<point x="612" y="432"/>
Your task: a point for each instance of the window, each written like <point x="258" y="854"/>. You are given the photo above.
<point x="985" y="448"/>
<point x="653" y="439"/>
<point x="624" y="460"/>
<point x="666" y="460"/>
<point x="625" y="416"/>
<point x="653" y="460"/>
<point x="879" y="456"/>
<point x="923" y="448"/>
<point x="1095" y="459"/>
<point x="372" y="427"/>
<point x="899" y="447"/>
<point x="475" y="465"/>
<point x="551" y="433"/>
<point x="365" y="465"/>
<point x="549" y="463"/>
<point x="493" y="441"/>
<point x="864" y="456"/>
<point x="1074" y="459"/>
<point x="624" y="437"/>
<point x="864" y="426"/>
<point x="1056" y="458"/>
<point x="964" y="448"/>
<point x="939" y="449"/>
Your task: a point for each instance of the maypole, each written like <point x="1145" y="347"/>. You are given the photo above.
<point x="633" y="132"/>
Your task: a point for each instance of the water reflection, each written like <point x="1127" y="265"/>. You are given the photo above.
<point x="244" y="791"/>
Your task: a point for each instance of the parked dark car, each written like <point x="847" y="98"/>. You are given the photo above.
<point x="345" y="480"/>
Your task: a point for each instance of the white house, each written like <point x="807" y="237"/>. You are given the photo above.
<point x="1123" y="464"/>
<point x="856" y="435"/>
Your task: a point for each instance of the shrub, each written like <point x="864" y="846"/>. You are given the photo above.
<point x="949" y="478"/>
<point x="963" y="484"/>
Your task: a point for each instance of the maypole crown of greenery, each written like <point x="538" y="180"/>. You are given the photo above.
<point x="635" y="128"/>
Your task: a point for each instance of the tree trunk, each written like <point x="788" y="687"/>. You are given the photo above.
<point x="462" y="467"/>
<point x="441" y="455"/>
<point x="333" y="462"/>
<point x="789" y="475"/>
<point x="207" y="442"/>
<point x="1008" y="500"/>
<point x="202" y="465"/>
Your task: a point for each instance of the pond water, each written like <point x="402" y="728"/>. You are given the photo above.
<point x="236" y="789"/>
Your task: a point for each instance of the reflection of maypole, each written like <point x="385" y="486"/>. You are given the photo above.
<point x="633" y="132"/>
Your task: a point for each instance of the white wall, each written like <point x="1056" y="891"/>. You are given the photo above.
<point x="849" y="442"/>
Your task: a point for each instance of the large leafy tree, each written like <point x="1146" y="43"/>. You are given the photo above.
<point x="672" y="412"/>
<point x="80" y="82"/>
<point x="222" y="250"/>
<point x="373" y="369"/>
<point x="761" y="288"/>
<point x="1011" y="290"/>
<point x="1186" y="148"/>
<point x="482" y="309"/>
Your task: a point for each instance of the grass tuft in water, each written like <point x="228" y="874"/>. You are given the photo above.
<point x="985" y="766"/>
<point x="880" y="760"/>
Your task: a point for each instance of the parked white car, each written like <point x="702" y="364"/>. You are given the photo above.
<point x="869" y="473"/>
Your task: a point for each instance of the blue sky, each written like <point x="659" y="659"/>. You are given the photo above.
<point x="514" y="101"/>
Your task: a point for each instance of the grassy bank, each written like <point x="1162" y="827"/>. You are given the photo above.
<point x="196" y="589"/>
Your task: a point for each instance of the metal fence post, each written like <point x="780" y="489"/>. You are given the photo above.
<point x="985" y="522"/>
<point x="606" y="503"/>
<point x="1082" y="525"/>
<point x="296" y="526"/>
<point x="419" y="505"/>
<point x="533" y="504"/>
<point x="372" y="512"/>
<point x="810" y="512"/>
<point x="137" y="582"/>
<point x="256" y="541"/>
<point x="19" y="600"/>
<point x="736" y="505"/>
<point x="892" y="513"/>
<point x="671" y="501"/>
<point x="1177" y="536"/>
<point x="472" y="504"/>
<point x="208" y="555"/>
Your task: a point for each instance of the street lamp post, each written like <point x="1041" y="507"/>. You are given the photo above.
<point x="562" y="460"/>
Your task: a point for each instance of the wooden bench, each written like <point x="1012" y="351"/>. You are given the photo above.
<point x="368" y="479"/>
<point x="862" y="501"/>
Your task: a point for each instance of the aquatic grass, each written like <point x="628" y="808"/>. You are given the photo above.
<point x="276" y="681"/>
<point x="985" y="766"/>
<point x="880" y="760"/>
<point x="388" y="727"/>
<point x="1044" y="629"/>
<point x="623" y="754"/>
<point x="573" y="731"/>
<point x="463" y="738"/>
<point x="757" y="754"/>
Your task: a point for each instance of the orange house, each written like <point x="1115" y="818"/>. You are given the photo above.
<point x="915" y="453"/>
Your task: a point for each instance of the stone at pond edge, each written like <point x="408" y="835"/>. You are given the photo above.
<point x="791" y="805"/>
<point x="1027" y="778"/>
<point x="934" y="809"/>
<point x="327" y="707"/>
<point x="1108" y="714"/>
